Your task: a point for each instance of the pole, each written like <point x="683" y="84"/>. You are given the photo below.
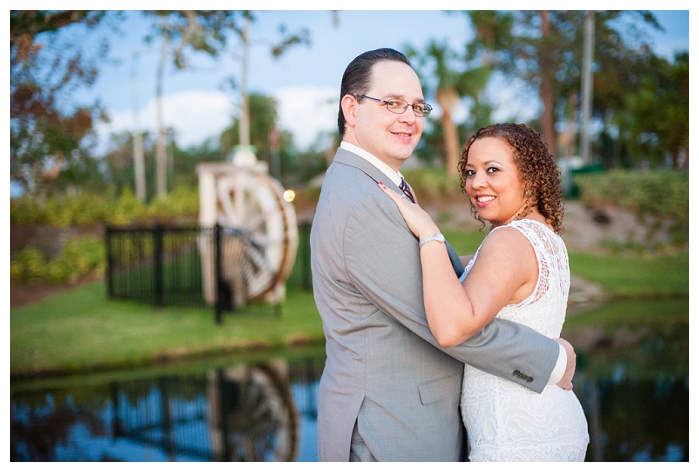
<point x="158" y="273"/>
<point x="274" y="150"/>
<point x="139" y="166"/>
<point x="218" y="308"/>
<point x="587" y="86"/>
<point x="244" y="125"/>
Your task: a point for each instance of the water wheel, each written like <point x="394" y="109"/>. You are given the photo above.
<point x="260" y="236"/>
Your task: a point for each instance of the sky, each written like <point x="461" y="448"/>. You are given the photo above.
<point x="305" y="81"/>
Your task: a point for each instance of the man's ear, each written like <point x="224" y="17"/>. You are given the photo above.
<point x="349" y="108"/>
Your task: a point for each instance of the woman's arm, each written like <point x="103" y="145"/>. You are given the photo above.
<point x="504" y="270"/>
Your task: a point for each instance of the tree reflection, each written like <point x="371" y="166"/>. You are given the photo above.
<point x="633" y="385"/>
<point x="36" y="430"/>
<point x="245" y="412"/>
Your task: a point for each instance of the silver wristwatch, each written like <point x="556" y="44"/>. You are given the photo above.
<point x="435" y="237"/>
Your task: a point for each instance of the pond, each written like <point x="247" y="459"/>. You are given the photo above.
<point x="633" y="385"/>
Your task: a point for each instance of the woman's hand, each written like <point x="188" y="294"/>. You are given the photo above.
<point x="417" y="219"/>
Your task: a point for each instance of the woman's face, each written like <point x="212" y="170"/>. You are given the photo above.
<point x="493" y="181"/>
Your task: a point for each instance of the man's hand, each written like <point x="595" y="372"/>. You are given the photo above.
<point x="566" y="381"/>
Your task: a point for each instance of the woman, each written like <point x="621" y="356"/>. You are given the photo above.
<point x="519" y="273"/>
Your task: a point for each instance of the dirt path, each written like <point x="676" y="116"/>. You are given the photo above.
<point x="24" y="294"/>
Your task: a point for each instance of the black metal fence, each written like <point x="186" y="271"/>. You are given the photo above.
<point x="162" y="265"/>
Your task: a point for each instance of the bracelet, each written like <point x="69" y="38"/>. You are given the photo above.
<point x="435" y="237"/>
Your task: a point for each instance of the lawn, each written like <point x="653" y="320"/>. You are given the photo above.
<point x="81" y="330"/>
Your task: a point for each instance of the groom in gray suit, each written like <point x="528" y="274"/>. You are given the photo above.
<point x="389" y="392"/>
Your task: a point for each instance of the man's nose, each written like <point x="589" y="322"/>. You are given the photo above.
<point x="408" y="115"/>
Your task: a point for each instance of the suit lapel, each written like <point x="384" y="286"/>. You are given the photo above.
<point x="348" y="158"/>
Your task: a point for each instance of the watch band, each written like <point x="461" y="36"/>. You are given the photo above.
<point x="435" y="237"/>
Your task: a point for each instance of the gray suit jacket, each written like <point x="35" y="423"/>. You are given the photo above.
<point x="384" y="369"/>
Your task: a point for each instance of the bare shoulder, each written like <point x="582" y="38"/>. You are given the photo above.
<point x="507" y="245"/>
<point x="505" y="237"/>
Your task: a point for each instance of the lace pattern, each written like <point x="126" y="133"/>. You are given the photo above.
<point x="507" y="422"/>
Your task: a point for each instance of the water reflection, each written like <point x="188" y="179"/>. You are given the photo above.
<point x="634" y="390"/>
<point x="633" y="384"/>
<point x="248" y="412"/>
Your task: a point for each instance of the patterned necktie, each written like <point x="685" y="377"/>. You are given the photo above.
<point x="406" y="190"/>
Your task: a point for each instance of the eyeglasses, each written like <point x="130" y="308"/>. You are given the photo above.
<point x="398" y="106"/>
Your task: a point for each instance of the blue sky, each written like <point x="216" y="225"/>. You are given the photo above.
<point x="305" y="81"/>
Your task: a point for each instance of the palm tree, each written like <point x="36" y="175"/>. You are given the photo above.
<point x="452" y="85"/>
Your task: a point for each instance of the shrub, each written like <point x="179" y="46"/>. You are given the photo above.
<point x="80" y="256"/>
<point x="660" y="193"/>
<point x="28" y="264"/>
<point x="25" y="211"/>
<point x="126" y="209"/>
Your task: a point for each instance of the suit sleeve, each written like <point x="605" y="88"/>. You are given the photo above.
<point x="383" y="261"/>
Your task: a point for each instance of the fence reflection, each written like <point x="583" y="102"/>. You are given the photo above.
<point x="636" y="400"/>
<point x="247" y="412"/>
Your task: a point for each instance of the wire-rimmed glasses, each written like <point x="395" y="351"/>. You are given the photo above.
<point x="398" y="106"/>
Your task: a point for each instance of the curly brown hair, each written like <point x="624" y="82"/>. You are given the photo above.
<point x="536" y="165"/>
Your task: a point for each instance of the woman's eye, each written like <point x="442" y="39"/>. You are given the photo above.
<point x="470" y="173"/>
<point x="493" y="169"/>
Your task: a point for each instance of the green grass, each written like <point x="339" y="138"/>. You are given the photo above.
<point x="623" y="312"/>
<point x="465" y="243"/>
<point x="624" y="276"/>
<point x="621" y="276"/>
<point x="80" y="329"/>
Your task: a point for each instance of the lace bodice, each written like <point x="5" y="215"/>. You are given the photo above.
<point x="544" y="310"/>
<point x="505" y="421"/>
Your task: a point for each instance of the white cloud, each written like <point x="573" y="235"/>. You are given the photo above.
<point x="307" y="111"/>
<point x="195" y="116"/>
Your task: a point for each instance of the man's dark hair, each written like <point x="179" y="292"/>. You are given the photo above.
<point x="355" y="80"/>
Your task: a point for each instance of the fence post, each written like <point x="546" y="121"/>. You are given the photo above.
<point x="217" y="270"/>
<point x="108" y="254"/>
<point x="158" y="264"/>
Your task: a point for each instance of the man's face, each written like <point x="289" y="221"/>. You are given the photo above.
<point x="370" y="125"/>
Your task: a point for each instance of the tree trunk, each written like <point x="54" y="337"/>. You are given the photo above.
<point x="139" y="166"/>
<point x="244" y="128"/>
<point x="448" y="99"/>
<point x="161" y="158"/>
<point x="546" y="65"/>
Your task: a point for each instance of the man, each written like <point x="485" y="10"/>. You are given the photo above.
<point x="388" y="391"/>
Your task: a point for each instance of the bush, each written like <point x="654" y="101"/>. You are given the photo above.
<point x="25" y="211"/>
<point x="80" y="256"/>
<point x="660" y="193"/>
<point x="28" y="264"/>
<point x="86" y="209"/>
<point x="182" y="202"/>
<point x="126" y="209"/>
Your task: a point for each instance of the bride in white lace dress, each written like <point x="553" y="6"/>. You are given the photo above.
<point x="504" y="420"/>
<point x="519" y="273"/>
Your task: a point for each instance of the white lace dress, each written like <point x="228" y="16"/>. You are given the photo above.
<point x="507" y="422"/>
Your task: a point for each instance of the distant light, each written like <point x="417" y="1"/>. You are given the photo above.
<point x="289" y="195"/>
